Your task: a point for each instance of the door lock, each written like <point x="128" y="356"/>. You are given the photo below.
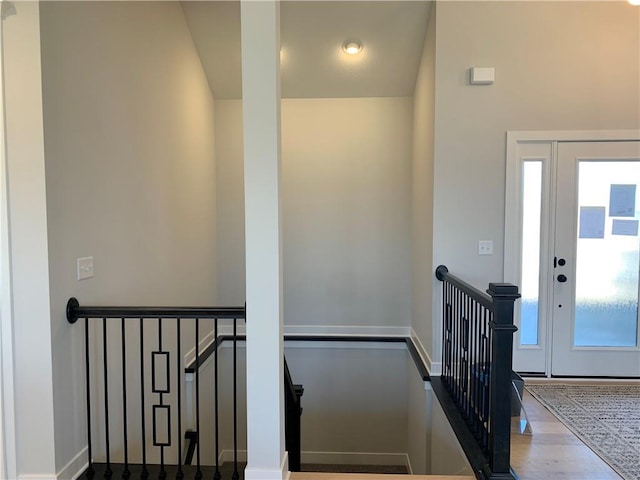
<point x="559" y="261"/>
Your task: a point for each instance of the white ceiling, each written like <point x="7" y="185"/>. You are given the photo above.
<point x="312" y="33"/>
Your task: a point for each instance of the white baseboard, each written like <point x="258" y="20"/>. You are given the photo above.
<point x="349" y="345"/>
<point x="223" y="330"/>
<point x="339" y="458"/>
<point x="356" y="458"/>
<point x="434" y="368"/>
<point x="76" y="466"/>
<point x="226" y="456"/>
<point x="252" y="473"/>
<point x="36" y="476"/>
<point x="347" y="330"/>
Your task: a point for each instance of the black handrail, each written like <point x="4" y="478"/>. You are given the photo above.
<point x="442" y="274"/>
<point x="477" y="349"/>
<point x="75" y="311"/>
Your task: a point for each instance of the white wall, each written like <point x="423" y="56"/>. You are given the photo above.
<point x="418" y="422"/>
<point x="354" y="402"/>
<point x="559" y="66"/>
<point x="346" y="202"/>
<point x="346" y="171"/>
<point x="422" y="190"/>
<point x="447" y="456"/>
<point x="230" y="202"/>
<point x="129" y="145"/>
<point x="33" y="392"/>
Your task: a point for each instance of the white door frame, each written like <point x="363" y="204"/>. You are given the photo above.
<point x="513" y="203"/>
<point x="7" y="412"/>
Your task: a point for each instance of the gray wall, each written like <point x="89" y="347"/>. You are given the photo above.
<point x="129" y="151"/>
<point x="346" y="203"/>
<point x="559" y="66"/>
<point x="422" y="189"/>
<point x="355" y="400"/>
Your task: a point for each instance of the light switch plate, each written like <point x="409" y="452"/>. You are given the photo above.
<point x="85" y="267"/>
<point x="485" y="247"/>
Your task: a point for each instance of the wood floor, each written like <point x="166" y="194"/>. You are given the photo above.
<point x="553" y="452"/>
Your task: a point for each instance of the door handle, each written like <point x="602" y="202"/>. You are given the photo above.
<point x="562" y="278"/>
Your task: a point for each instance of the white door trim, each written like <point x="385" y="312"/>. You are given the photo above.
<point x="8" y="467"/>
<point x="513" y="187"/>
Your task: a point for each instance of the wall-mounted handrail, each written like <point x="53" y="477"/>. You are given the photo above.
<point x="75" y="311"/>
<point x="477" y="350"/>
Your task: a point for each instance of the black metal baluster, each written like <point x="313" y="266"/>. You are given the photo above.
<point x="483" y="377"/>
<point x="145" y="472"/>
<point x="216" y="475"/>
<point x="235" y="400"/>
<point x="449" y="313"/>
<point x="163" y="474"/>
<point x="460" y="356"/>
<point x="445" y="311"/>
<point x="198" y="469"/>
<point x="471" y="360"/>
<point x="180" y="473"/>
<point x="465" y="356"/>
<point x="453" y="339"/>
<point x="125" y="473"/>
<point x="449" y="334"/>
<point x="457" y="354"/>
<point x="487" y="378"/>
<point x="475" y="337"/>
<point x="452" y="332"/>
<point x="489" y="372"/>
<point x="90" y="471"/>
<point x="107" y="472"/>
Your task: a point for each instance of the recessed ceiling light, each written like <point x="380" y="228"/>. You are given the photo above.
<point x="352" y="47"/>
<point x="634" y="2"/>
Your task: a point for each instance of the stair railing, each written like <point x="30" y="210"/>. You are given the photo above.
<point x="169" y="327"/>
<point x="477" y="348"/>
<point x="292" y="423"/>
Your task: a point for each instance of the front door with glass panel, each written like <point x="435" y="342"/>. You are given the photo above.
<point x="596" y="260"/>
<point x="575" y="253"/>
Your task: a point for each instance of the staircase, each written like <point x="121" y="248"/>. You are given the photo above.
<point x="133" y="352"/>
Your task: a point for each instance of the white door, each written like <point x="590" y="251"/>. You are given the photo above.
<point x="594" y="324"/>
<point x="572" y="245"/>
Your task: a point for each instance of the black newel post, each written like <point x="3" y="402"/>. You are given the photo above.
<point x="504" y="296"/>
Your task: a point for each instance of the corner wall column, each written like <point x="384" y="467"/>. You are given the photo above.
<point x="30" y="443"/>
<point x="261" y="126"/>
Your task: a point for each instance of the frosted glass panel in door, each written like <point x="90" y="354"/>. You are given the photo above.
<point x="607" y="256"/>
<point x="531" y="222"/>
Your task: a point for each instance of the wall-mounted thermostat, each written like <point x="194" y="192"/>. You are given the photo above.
<point x="482" y="75"/>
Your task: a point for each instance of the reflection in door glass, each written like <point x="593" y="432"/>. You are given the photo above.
<point x="607" y="257"/>
<point x="531" y="216"/>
